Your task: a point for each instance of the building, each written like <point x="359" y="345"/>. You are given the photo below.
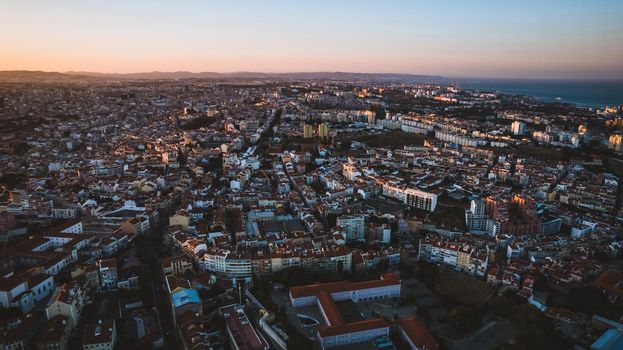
<point x="242" y="335"/>
<point x="353" y="333"/>
<point x="141" y="325"/>
<point x="459" y="255"/>
<point x="610" y="283"/>
<point x="54" y="335"/>
<point x="308" y="132"/>
<point x="17" y="333"/>
<point x="581" y="230"/>
<point x="384" y="233"/>
<point x="514" y="251"/>
<point x="25" y="292"/>
<point x="364" y="260"/>
<point x="176" y="265"/>
<point x="416" y="335"/>
<point x="518" y="128"/>
<point x="550" y="226"/>
<point x="475" y="220"/>
<point x="492" y="227"/>
<point x="136" y="226"/>
<point x="15" y="292"/>
<point x="332" y="258"/>
<point x="420" y="199"/>
<point x="612" y="339"/>
<point x="615" y="143"/>
<point x="353" y="227"/>
<point x="336" y="330"/>
<point x="183" y="297"/>
<point x="516" y="215"/>
<point x="227" y="263"/>
<point x="7" y="221"/>
<point x="101" y="335"/>
<point x="323" y="130"/>
<point x="68" y="301"/>
<point x="350" y="171"/>
<point x="108" y="273"/>
<point x="190" y="327"/>
<point x="386" y="287"/>
<point x="181" y="218"/>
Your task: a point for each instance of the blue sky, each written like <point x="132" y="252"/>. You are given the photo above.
<point x="481" y="38"/>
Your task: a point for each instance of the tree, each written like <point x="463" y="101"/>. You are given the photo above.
<point x="540" y="282"/>
<point x="21" y="148"/>
<point x="383" y="265"/>
<point x="428" y="273"/>
<point x="340" y="267"/>
<point x="587" y="300"/>
<point x="189" y="274"/>
<point x="535" y="330"/>
<point x="464" y="318"/>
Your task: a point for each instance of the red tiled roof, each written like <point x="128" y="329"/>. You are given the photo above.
<point x="418" y="333"/>
<point x="37" y="279"/>
<point x="238" y="324"/>
<point x="54" y="330"/>
<point x="171" y="260"/>
<point x="376" y="323"/>
<point x="96" y="333"/>
<point x="330" y="309"/>
<point x="110" y="263"/>
<point x="7" y="284"/>
<point x="313" y="289"/>
<point x="610" y="281"/>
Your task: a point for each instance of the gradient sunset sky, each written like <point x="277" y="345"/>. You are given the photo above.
<point x="478" y="38"/>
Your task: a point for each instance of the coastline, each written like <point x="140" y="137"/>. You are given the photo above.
<point x="590" y="94"/>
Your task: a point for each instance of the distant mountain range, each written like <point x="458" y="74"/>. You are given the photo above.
<point x="22" y="75"/>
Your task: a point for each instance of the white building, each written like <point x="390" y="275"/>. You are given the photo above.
<point x="338" y="332"/>
<point x="582" y="229"/>
<point x="101" y="335"/>
<point x="459" y="256"/>
<point x="15" y="292"/>
<point x="420" y="199"/>
<point x="410" y="196"/>
<point x="387" y="287"/>
<point x="518" y="128"/>
<point x="475" y="217"/>
<point x="350" y="171"/>
<point x="353" y="227"/>
<point x="352" y="333"/>
<point x="384" y="233"/>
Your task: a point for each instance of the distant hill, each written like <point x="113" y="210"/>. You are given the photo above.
<point x="261" y="75"/>
<point x="21" y="75"/>
<point x="27" y="75"/>
<point x="150" y="75"/>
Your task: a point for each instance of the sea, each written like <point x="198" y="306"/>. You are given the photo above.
<point x="583" y="93"/>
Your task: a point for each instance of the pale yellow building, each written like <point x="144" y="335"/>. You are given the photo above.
<point x="308" y="131"/>
<point x="181" y="218"/>
<point x="68" y="301"/>
<point x="323" y="130"/>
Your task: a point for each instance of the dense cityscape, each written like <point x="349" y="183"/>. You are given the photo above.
<point x="311" y="175"/>
<point x="346" y="212"/>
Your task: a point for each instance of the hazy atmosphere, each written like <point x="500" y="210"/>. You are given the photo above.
<point x="526" y="39"/>
<point x="311" y="175"/>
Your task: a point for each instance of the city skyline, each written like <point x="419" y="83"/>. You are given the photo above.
<point x="557" y="40"/>
<point x="274" y="175"/>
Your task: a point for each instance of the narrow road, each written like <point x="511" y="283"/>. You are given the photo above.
<point x="161" y="297"/>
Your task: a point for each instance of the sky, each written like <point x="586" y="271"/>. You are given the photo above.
<point x="557" y="39"/>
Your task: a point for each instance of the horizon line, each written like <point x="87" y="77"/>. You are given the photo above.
<point x="450" y="77"/>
